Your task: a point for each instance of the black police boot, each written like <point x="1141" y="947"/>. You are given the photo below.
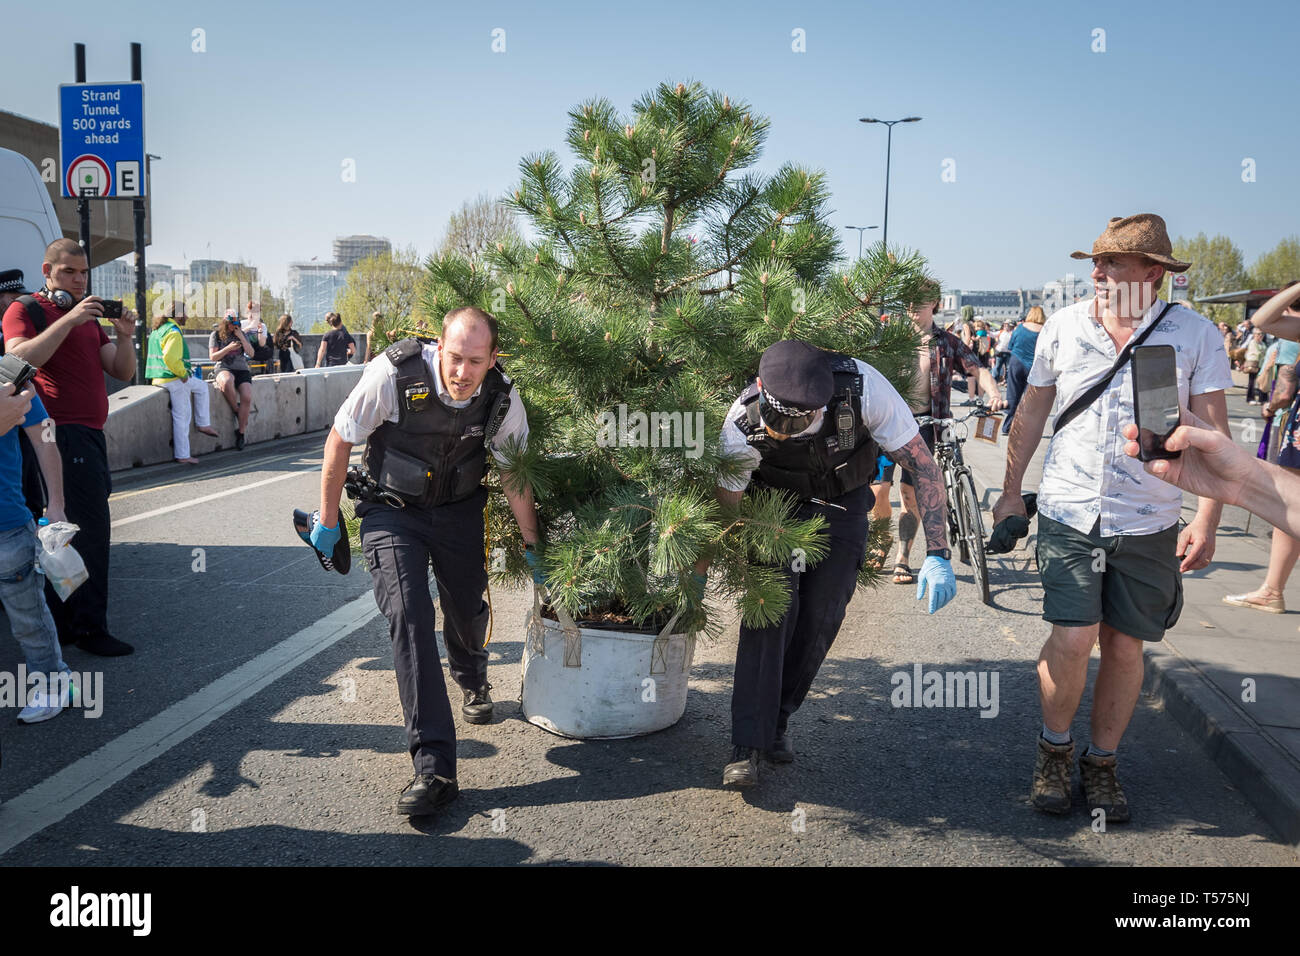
<point x="782" y="751"/>
<point x="477" y="708"/>
<point x="425" y="794"/>
<point x="743" y="769"/>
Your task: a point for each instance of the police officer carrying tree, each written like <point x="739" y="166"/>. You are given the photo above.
<point x="430" y="411"/>
<point x="811" y="424"/>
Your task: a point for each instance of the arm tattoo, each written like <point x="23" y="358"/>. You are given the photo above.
<point x="927" y="484"/>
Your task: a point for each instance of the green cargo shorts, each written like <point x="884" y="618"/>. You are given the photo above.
<point x="1129" y="582"/>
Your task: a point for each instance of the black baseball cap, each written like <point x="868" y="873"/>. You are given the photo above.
<point x="11" y="280"/>
<point x="797" y="382"/>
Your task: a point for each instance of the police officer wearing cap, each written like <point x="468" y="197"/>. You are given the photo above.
<point x="811" y="424"/>
<point x="429" y="411"/>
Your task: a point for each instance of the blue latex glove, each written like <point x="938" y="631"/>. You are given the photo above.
<point x="936" y="574"/>
<point x="534" y="560"/>
<point x="323" y="539"/>
<point x="695" y="591"/>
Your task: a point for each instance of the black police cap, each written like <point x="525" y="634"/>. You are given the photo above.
<point x="11" y="280"/>
<point x="796" y="376"/>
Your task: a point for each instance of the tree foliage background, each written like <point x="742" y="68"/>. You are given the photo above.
<point x="388" y="283"/>
<point x="664" y="265"/>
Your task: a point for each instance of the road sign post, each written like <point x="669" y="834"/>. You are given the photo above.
<point x="101" y="140"/>
<point x="102" y="155"/>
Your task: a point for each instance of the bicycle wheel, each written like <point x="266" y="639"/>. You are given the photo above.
<point x="973" y="531"/>
<point x="950" y="511"/>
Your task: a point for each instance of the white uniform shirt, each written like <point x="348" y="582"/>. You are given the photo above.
<point x="374" y="401"/>
<point x="883" y="409"/>
<point x="1086" y="474"/>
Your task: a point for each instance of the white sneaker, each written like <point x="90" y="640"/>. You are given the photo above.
<point x="44" y="706"/>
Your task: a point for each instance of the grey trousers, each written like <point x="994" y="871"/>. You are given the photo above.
<point x="399" y="545"/>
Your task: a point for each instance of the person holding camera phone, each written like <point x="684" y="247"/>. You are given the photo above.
<point x="1109" y="548"/>
<point x="229" y="347"/>
<point x="58" y="331"/>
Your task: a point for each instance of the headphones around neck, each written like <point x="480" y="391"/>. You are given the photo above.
<point x="60" y="298"/>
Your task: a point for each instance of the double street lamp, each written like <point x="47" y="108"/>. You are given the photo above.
<point x="889" y="145"/>
<point x="861" y="230"/>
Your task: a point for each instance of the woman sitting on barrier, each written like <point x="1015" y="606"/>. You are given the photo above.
<point x="229" y="348"/>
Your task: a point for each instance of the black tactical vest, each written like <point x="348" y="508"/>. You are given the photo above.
<point x="434" y="454"/>
<point x="815" y="466"/>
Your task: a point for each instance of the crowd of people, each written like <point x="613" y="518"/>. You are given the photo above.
<point x="53" y="453"/>
<point x="789" y="423"/>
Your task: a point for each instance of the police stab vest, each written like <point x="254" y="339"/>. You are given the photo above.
<point x="830" y="463"/>
<point x="434" y="454"/>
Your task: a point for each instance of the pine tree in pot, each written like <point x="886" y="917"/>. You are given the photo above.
<point x="663" y="266"/>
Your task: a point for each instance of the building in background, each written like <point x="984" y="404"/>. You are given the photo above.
<point x="349" y="250"/>
<point x="1059" y="293"/>
<point x="201" y="270"/>
<point x="114" y="280"/>
<point x="995" y="307"/>
<point x="312" y="288"/>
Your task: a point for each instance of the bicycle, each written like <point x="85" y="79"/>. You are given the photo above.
<point x="965" y="522"/>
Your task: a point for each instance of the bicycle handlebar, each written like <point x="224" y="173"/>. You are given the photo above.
<point x="980" y="409"/>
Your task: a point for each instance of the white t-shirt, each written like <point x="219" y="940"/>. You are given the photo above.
<point x="883" y="410"/>
<point x="374" y="401"/>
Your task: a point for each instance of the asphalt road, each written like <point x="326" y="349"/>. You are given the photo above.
<point x="258" y="723"/>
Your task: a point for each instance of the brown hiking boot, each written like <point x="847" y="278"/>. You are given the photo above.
<point x="1101" y="787"/>
<point x="1051" y="789"/>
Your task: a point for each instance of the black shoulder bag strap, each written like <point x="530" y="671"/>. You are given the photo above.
<point x="1095" y="390"/>
<point x="34" y="313"/>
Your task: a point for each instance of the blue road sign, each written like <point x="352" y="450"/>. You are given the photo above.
<point x="101" y="140"/>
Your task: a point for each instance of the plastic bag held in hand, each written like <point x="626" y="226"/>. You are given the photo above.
<point x="936" y="577"/>
<point x="59" y="560"/>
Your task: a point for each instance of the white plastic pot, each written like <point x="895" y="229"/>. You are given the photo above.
<point x="596" y="683"/>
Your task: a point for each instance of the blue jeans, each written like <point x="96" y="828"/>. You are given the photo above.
<point x="22" y="589"/>
<point x="1017" y="381"/>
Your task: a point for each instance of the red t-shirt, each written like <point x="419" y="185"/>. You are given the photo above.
<point x="71" y="383"/>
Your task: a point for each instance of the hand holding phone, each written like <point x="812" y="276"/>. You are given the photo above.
<point x="1155" y="400"/>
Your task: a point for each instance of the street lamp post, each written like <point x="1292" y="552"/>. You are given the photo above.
<point x="861" y="230"/>
<point x="889" y="145"/>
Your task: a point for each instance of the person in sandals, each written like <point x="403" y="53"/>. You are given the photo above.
<point x="938" y="358"/>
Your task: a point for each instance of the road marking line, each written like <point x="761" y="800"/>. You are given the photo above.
<point x="206" y="498"/>
<point x="204" y="476"/>
<point x="77" y="784"/>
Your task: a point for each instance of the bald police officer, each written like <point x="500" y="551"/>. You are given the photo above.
<point x="430" y="411"/>
<point x="811" y="424"/>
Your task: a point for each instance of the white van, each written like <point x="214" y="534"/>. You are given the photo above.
<point x="27" y="220"/>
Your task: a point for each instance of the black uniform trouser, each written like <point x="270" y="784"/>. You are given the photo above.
<point x="86" y="487"/>
<point x="776" y="665"/>
<point x="398" y="545"/>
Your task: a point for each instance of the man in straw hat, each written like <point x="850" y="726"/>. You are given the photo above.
<point x="1109" y="550"/>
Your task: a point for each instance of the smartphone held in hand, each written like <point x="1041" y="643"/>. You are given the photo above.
<point x="1155" y="399"/>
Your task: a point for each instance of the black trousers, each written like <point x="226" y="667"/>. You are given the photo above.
<point x="86" y="487"/>
<point x="775" y="665"/>
<point x="33" y="480"/>
<point x="399" y="545"/>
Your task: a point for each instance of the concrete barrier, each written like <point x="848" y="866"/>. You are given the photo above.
<point x="139" y="427"/>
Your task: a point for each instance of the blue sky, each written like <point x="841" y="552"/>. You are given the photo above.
<point x="1049" y="138"/>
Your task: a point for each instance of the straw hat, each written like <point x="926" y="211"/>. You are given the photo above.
<point x="1141" y="235"/>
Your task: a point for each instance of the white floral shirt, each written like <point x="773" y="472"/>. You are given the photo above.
<point x="1086" y="475"/>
